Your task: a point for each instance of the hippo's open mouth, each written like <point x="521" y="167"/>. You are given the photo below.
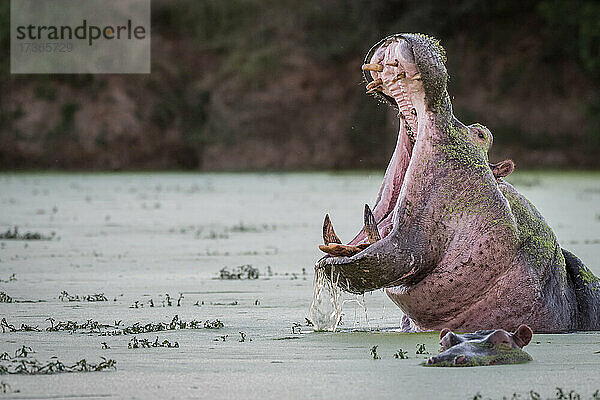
<point x="391" y="74"/>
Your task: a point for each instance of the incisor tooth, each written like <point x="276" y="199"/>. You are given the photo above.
<point x="372" y="67"/>
<point x="374" y="84"/>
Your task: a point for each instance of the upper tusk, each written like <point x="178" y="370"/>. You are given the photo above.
<point x="372" y="67"/>
<point x="329" y="235"/>
<point x="371" y="226"/>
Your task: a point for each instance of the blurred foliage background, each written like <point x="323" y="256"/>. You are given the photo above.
<point x="264" y="84"/>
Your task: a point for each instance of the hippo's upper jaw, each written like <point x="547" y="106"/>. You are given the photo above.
<point x="408" y="71"/>
<point x="491" y="347"/>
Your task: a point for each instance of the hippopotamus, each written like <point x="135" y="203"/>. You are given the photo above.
<point x="453" y="244"/>
<point x="489" y="347"/>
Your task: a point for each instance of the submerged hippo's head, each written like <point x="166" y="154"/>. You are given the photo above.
<point x="490" y="347"/>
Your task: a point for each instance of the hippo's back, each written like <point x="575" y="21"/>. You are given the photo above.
<point x="587" y="291"/>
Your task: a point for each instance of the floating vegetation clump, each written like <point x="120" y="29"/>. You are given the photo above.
<point x="559" y="394"/>
<point x="6" y="388"/>
<point x="242" y="227"/>
<point x="89" y="326"/>
<point x="65" y="296"/>
<point x="214" y="324"/>
<point x="11" y="278"/>
<point x="374" y="353"/>
<point x="146" y="344"/>
<point x="4" y="298"/>
<point x="175" y="324"/>
<point x="240" y="272"/>
<point x="23" y="364"/>
<point x="421" y="349"/>
<point x="14" y="234"/>
<point x="166" y="302"/>
<point x="401" y="354"/>
<point x="233" y="303"/>
<point x="5" y="326"/>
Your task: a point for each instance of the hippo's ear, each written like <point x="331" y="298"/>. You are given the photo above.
<point x="444" y="332"/>
<point x="502" y="168"/>
<point x="523" y="335"/>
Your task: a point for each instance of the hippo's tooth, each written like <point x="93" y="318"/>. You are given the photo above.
<point x="374" y="84"/>
<point x="416" y="77"/>
<point x="329" y="235"/>
<point x="371" y="226"/>
<point x="372" y="67"/>
<point x="374" y="90"/>
<point x="392" y="64"/>
<point x="399" y="75"/>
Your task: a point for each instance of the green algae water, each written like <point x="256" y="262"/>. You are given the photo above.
<point x="154" y="246"/>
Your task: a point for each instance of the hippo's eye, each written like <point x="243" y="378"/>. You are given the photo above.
<point x="481" y="135"/>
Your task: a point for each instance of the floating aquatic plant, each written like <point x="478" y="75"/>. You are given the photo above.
<point x="421" y="349"/>
<point x="23" y="364"/>
<point x="401" y="354"/>
<point x="4" y="298"/>
<point x="65" y="296"/>
<point x="374" y="353"/>
<point x="5" y="326"/>
<point x="11" y="278"/>
<point x="134" y="343"/>
<point x="240" y="272"/>
<point x="559" y="394"/>
<point x="14" y="234"/>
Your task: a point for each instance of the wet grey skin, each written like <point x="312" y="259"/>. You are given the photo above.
<point x="451" y="242"/>
<point x="486" y="347"/>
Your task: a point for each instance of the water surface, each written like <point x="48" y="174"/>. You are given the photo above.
<point x="136" y="237"/>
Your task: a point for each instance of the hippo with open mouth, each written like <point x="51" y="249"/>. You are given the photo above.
<point x="490" y="347"/>
<point x="452" y="243"/>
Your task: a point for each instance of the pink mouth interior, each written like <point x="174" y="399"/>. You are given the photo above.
<point x="389" y="192"/>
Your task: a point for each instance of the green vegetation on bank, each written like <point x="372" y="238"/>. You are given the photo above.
<point x="227" y="75"/>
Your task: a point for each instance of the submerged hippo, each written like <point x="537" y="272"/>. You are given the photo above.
<point x="452" y="243"/>
<point x="491" y="347"/>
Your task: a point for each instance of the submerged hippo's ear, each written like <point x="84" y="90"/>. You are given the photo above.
<point x="444" y="332"/>
<point x="523" y="335"/>
<point x="502" y="168"/>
